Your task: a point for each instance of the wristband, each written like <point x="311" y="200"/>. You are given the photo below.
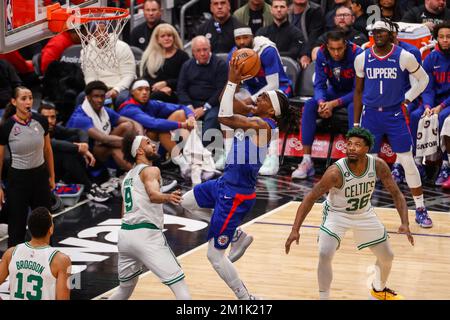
<point x="356" y="124"/>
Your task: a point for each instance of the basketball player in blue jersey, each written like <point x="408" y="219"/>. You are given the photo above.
<point x="232" y="196"/>
<point x="380" y="88"/>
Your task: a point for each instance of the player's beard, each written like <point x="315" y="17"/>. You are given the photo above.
<point x="444" y="51"/>
<point x="152" y="156"/>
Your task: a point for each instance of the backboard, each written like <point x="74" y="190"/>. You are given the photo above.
<point x="23" y="22"/>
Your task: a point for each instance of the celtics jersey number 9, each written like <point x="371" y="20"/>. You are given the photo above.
<point x="354" y="195"/>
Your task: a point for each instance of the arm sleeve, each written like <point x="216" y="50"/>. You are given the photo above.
<point x="409" y="62"/>
<point x="320" y="81"/>
<point x="149" y="122"/>
<point x="428" y="95"/>
<point x="219" y="83"/>
<point x="359" y="65"/>
<point x="273" y="83"/>
<point x="127" y="67"/>
<point x="182" y="86"/>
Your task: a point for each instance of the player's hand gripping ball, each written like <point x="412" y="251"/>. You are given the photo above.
<point x="251" y="61"/>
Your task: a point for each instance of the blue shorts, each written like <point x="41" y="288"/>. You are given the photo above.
<point x="229" y="209"/>
<point x="390" y="122"/>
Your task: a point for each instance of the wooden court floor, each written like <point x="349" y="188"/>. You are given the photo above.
<point x="419" y="272"/>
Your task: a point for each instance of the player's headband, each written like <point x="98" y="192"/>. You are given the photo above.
<point x="140" y="83"/>
<point x="136" y="143"/>
<point x="275" y="102"/>
<point x="242" y="32"/>
<point x="381" y="25"/>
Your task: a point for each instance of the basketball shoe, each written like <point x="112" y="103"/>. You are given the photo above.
<point x="241" y="241"/>
<point x="422" y="218"/>
<point x="270" y="166"/>
<point x="444" y="174"/>
<point x="305" y="170"/>
<point x="386" y="294"/>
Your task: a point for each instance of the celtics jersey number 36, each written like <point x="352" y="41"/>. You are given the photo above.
<point x="356" y="191"/>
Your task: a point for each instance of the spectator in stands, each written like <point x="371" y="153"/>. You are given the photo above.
<point x="71" y="154"/>
<point x="333" y="88"/>
<point x="436" y="97"/>
<point x="19" y="63"/>
<point x="219" y="29"/>
<point x="201" y="81"/>
<point x="162" y="61"/>
<point x="31" y="176"/>
<point x="330" y="15"/>
<point x="159" y="119"/>
<point x="359" y="9"/>
<point x="431" y="13"/>
<point x="54" y="49"/>
<point x="308" y="17"/>
<point x="288" y="38"/>
<point x="255" y="14"/>
<point x="104" y="126"/>
<point x="9" y="80"/>
<point x="116" y="77"/>
<point x="141" y="34"/>
<point x="390" y="9"/>
<point x="344" y="20"/>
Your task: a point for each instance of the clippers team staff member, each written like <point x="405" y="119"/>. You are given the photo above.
<point x="333" y="88"/>
<point x="232" y="196"/>
<point x="31" y="176"/>
<point x="380" y="84"/>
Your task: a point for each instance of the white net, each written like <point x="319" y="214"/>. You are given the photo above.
<point x="98" y="36"/>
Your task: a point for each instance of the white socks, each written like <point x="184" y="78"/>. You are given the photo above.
<point x="307" y="158"/>
<point x="418" y="200"/>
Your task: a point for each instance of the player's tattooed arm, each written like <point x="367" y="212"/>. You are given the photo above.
<point x="331" y="178"/>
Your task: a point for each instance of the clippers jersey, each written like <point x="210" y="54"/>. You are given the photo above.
<point x="30" y="274"/>
<point x="137" y="206"/>
<point x="384" y="79"/>
<point x="245" y="159"/>
<point x="356" y="191"/>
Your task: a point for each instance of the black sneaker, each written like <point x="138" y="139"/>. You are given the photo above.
<point x="97" y="195"/>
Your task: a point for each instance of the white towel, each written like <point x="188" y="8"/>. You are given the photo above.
<point x="427" y="136"/>
<point x="196" y="154"/>
<point x="102" y="121"/>
<point x="445" y="132"/>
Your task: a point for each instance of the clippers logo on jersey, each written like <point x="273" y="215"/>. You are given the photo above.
<point x="441" y="77"/>
<point x="381" y="73"/>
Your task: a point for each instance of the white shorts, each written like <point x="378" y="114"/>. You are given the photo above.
<point x="149" y="248"/>
<point x="367" y="228"/>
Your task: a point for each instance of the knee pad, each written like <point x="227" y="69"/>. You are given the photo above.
<point x="412" y="175"/>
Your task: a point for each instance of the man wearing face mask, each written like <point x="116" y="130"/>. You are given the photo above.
<point x="201" y="81"/>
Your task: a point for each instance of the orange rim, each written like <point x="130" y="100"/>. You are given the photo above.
<point x="82" y="12"/>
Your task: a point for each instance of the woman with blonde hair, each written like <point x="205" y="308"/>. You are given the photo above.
<point x="161" y="62"/>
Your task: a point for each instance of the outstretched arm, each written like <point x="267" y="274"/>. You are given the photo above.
<point x="384" y="173"/>
<point x="331" y="178"/>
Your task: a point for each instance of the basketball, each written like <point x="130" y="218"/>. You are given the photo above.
<point x="251" y="62"/>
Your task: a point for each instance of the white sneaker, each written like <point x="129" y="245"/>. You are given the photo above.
<point x="167" y="185"/>
<point x="241" y="241"/>
<point x="3" y="230"/>
<point x="270" y="166"/>
<point x="304" y="170"/>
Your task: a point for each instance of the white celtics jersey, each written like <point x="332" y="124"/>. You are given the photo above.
<point x="137" y="206"/>
<point x="30" y="275"/>
<point x="356" y="191"/>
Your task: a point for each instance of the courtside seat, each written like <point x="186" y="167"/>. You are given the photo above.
<point x="222" y="55"/>
<point x="72" y="55"/>
<point x="137" y="52"/>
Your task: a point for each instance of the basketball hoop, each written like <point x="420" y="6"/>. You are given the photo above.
<point x="98" y="29"/>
